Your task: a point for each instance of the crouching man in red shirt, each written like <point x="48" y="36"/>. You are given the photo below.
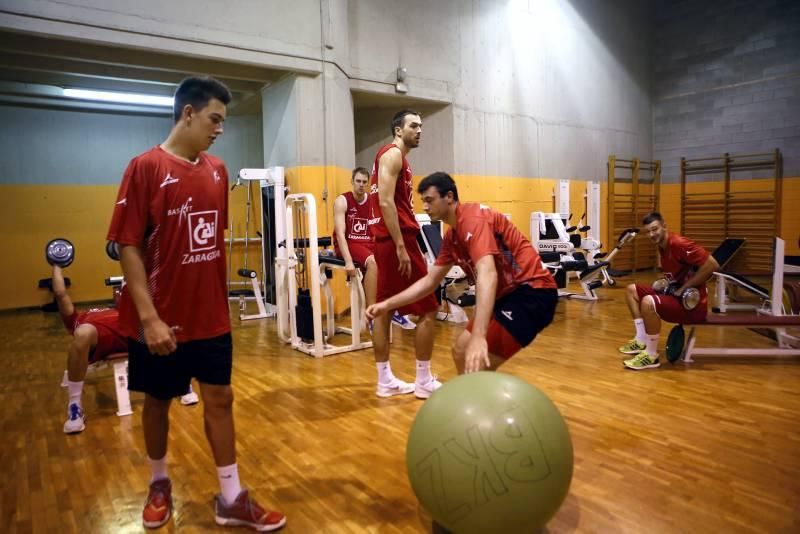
<point x="516" y="294"/>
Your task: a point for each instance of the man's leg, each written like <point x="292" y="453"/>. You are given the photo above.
<point x="155" y="425"/>
<point x="633" y="296"/>
<point x="648" y="358"/>
<point x="460" y="352"/>
<point x="425" y="383"/>
<point x="370" y="281"/>
<point x="233" y="506"/>
<point x="388" y="384"/>
<point x="84" y="338"/>
<point x="386" y="264"/>
<point x="218" y="420"/>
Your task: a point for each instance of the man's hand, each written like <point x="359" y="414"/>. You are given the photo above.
<point x="159" y="337"/>
<point x="375" y="310"/>
<point x="403" y="261"/>
<point x="477" y="355"/>
<point x="350" y="269"/>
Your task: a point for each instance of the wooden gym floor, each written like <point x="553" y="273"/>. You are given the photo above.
<point x="710" y="447"/>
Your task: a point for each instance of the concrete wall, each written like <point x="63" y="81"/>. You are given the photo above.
<point x="538" y="88"/>
<point x="54" y="146"/>
<point x="726" y="78"/>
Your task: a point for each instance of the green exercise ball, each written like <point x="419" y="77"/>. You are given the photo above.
<point x="489" y="452"/>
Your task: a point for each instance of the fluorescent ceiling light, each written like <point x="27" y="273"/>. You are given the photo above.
<point x="123" y="98"/>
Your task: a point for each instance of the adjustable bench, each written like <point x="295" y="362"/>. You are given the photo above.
<point x="773" y="318"/>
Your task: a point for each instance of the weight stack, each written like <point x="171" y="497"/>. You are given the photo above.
<point x="304" y="314"/>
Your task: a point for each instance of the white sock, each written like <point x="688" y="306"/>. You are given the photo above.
<point x="75" y="389"/>
<point x="641" y="335"/>
<point x="229" y="483"/>
<point x="652" y="345"/>
<point x="385" y="375"/>
<point x="158" y="469"/>
<point x="424" y="371"/>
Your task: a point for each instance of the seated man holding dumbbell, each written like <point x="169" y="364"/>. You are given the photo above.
<point x="95" y="335"/>
<point x="682" y="298"/>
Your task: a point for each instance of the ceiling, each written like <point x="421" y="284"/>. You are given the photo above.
<point x="34" y="68"/>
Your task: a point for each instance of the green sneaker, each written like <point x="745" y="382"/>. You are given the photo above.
<point x="632" y="347"/>
<point x="642" y="361"/>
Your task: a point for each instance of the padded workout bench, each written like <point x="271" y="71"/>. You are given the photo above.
<point x="774" y="319"/>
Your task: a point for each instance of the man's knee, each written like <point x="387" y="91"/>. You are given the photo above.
<point x="84" y="337"/>
<point x="217" y="398"/>
<point x="631" y="290"/>
<point x="648" y="305"/>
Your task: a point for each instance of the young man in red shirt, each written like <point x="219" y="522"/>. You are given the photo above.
<point x="516" y="294"/>
<point x="95" y="335"/>
<point x="352" y="239"/>
<point x="169" y="222"/>
<point x="399" y="259"/>
<point x="684" y="262"/>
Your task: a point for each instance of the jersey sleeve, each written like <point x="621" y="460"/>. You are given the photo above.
<point x="131" y="212"/>
<point x="446" y="256"/>
<point x="224" y="173"/>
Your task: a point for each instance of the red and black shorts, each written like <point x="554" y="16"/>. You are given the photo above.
<point x="390" y="282"/>
<point x="109" y="340"/>
<point x="670" y="309"/>
<point x="360" y="252"/>
<point x="518" y="318"/>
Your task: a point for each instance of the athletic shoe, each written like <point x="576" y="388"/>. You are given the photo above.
<point x="403" y="322"/>
<point x="423" y="390"/>
<point x="642" y="361"/>
<point x="158" y="506"/>
<point x="245" y="512"/>
<point x="76" y="422"/>
<point x="633" y="346"/>
<point x="190" y="398"/>
<point x="396" y="387"/>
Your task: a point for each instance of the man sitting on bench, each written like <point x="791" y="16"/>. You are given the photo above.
<point x="683" y="262"/>
<point x="352" y="239"/>
<point x="95" y="336"/>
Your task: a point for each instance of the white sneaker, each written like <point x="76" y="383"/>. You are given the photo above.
<point x="397" y="387"/>
<point x="76" y="422"/>
<point x="190" y="398"/>
<point x="423" y="390"/>
<point x="403" y="322"/>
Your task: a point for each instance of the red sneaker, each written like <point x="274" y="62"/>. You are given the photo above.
<point x="246" y="512"/>
<point x="158" y="506"/>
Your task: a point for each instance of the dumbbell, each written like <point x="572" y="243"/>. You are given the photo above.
<point x="59" y="252"/>
<point x="112" y="249"/>
<point x="689" y="299"/>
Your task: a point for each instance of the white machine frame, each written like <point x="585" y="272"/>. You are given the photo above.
<point x="286" y="263"/>
<point x="788" y="345"/>
<point x="455" y="313"/>
<point x="270" y="177"/>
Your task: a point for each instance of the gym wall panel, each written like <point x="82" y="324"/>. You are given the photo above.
<point x="790" y="199"/>
<point x="30" y="216"/>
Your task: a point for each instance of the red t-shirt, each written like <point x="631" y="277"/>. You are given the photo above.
<point x="479" y="231"/>
<point x="681" y="258"/>
<point x="107" y="318"/>
<point x="403" y="199"/>
<point x="176" y="212"/>
<point x="356" y="221"/>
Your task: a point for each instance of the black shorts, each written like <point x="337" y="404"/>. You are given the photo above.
<point x="518" y="317"/>
<point x="208" y="360"/>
